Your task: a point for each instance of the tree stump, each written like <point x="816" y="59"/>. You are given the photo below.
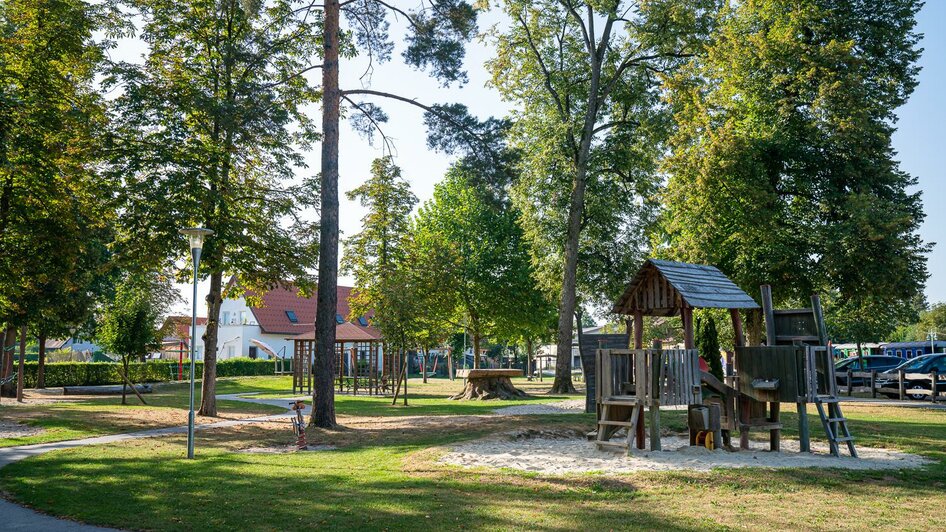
<point x="484" y="384"/>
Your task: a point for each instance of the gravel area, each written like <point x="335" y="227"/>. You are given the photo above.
<point x="12" y="429"/>
<point x="555" y="454"/>
<point x="570" y="406"/>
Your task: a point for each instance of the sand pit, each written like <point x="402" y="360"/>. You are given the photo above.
<point x="570" y="406"/>
<point x="563" y="453"/>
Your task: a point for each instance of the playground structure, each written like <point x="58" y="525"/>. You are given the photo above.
<point x="796" y="368"/>
<point x="361" y="364"/>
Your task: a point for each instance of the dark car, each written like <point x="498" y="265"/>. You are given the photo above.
<point x="922" y="365"/>
<point x="878" y="363"/>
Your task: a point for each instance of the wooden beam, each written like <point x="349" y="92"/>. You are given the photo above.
<point x="638" y="329"/>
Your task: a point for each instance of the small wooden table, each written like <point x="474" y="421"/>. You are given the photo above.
<point x="491" y="384"/>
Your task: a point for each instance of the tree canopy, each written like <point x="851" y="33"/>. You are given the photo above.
<point x="781" y="169"/>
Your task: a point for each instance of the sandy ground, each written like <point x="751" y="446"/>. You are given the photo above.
<point x="562" y="453"/>
<point x="570" y="406"/>
<point x="11" y="429"/>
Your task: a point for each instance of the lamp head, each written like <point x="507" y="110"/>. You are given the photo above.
<point x="196" y="235"/>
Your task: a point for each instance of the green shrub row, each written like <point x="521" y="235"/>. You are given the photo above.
<point x="97" y="373"/>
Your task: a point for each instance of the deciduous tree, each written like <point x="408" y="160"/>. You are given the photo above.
<point x="210" y="131"/>
<point x="781" y="168"/>
<point x="584" y="77"/>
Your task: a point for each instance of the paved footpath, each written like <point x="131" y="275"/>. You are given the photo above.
<point x="20" y="518"/>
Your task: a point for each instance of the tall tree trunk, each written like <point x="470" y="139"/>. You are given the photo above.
<point x="6" y="368"/>
<point x="450" y="363"/>
<point x="208" y="388"/>
<point x="41" y="363"/>
<point x="529" y="358"/>
<point x="323" y="394"/>
<point x="754" y="329"/>
<point x="20" y="367"/>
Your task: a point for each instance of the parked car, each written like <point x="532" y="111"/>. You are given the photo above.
<point x="922" y="364"/>
<point x="879" y="363"/>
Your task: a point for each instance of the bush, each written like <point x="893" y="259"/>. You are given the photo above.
<point x="98" y="373"/>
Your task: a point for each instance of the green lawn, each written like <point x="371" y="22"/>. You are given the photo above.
<point x="385" y="476"/>
<point x="167" y="406"/>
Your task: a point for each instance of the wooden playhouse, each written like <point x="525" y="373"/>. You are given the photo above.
<point x="635" y="382"/>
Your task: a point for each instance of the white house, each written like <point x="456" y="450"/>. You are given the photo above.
<point x="256" y="332"/>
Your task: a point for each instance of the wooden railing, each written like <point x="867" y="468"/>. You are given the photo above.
<point x="664" y="377"/>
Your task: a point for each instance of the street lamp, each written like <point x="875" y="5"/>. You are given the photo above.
<point x="195" y="235"/>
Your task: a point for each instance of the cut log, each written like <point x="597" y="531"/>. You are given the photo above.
<point x="485" y="384"/>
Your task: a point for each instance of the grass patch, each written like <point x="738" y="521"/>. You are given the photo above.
<point x="384" y="475"/>
<point x="97" y="416"/>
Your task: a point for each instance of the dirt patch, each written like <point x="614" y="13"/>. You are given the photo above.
<point x="286" y="449"/>
<point x="564" y="452"/>
<point x="571" y="406"/>
<point x="11" y="429"/>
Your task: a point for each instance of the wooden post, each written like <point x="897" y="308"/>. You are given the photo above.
<point x="686" y="313"/>
<point x="638" y="330"/>
<point x="804" y="436"/>
<point x="901" y="384"/>
<point x="774" y="434"/>
<point x="850" y="382"/>
<point x="933" y="378"/>
<point x="873" y="383"/>
<point x="769" y="314"/>
<point x="819" y="319"/>
<point x="655" y="401"/>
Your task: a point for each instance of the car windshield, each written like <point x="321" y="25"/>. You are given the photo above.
<point x="917" y="364"/>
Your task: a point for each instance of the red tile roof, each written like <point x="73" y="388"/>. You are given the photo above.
<point x="347" y="332"/>
<point x="179" y="326"/>
<point x="272" y="316"/>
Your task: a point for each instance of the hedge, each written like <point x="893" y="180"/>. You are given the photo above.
<point x="96" y="373"/>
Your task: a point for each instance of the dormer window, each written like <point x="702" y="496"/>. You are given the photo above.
<point x="292" y="316"/>
<point x="339" y="319"/>
<point x="363" y="321"/>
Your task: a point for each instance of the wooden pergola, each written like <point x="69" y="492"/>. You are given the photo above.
<point x="361" y="364"/>
<point x="668" y="288"/>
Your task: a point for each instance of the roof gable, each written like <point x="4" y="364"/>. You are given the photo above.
<point x="663" y="287"/>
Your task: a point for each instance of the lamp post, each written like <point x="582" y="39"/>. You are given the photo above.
<point x="933" y="338"/>
<point x="195" y="236"/>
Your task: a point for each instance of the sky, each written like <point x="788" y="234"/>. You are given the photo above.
<point x="919" y="140"/>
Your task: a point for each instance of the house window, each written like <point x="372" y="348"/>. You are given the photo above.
<point x="253" y="351"/>
<point x="225" y="318"/>
<point x="899" y="352"/>
<point x="292" y="316"/>
<point x="231" y="350"/>
<point x="339" y="319"/>
<point x="242" y="317"/>
<point x="362" y="321"/>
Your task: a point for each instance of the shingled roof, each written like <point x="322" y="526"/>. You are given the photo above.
<point x="346" y="332"/>
<point x="663" y="287"/>
<point x="272" y="317"/>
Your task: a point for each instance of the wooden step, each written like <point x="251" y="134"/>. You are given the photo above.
<point x="836" y="419"/>
<point x="624" y="400"/>
<point x="622" y="445"/>
<point x="844" y="439"/>
<point x="826" y="399"/>
<point x="614" y="423"/>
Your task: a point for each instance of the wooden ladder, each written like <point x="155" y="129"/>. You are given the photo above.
<point x="606" y="424"/>
<point x="835" y="424"/>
